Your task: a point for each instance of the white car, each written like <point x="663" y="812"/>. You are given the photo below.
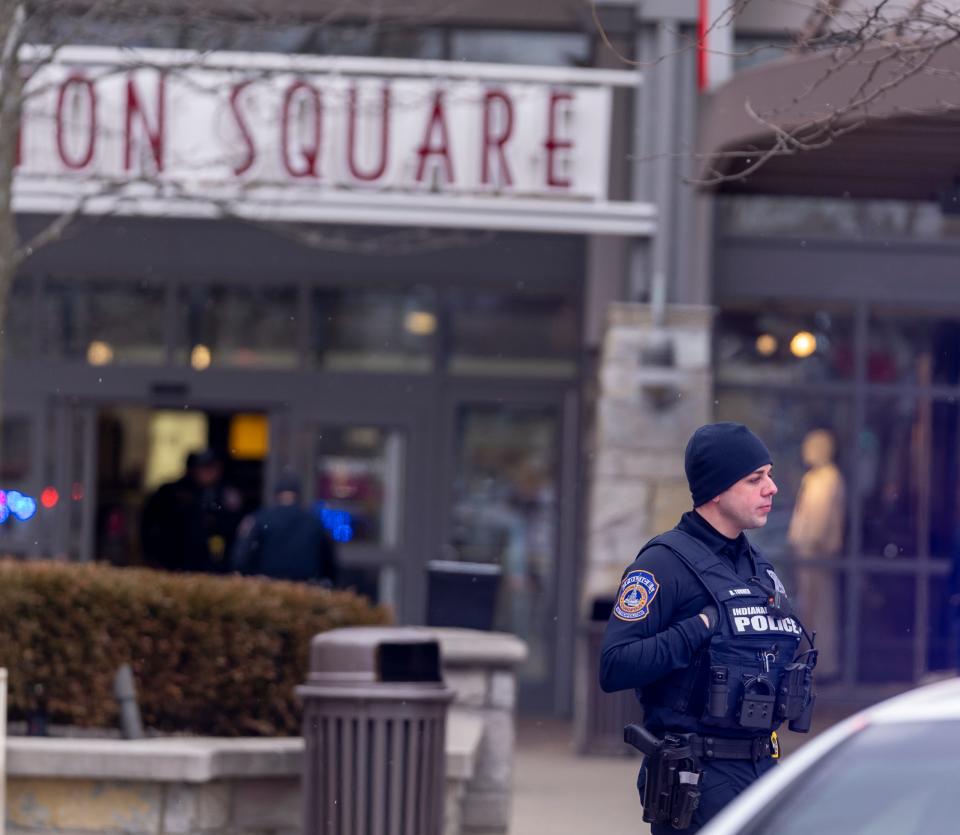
<point x="892" y="769"/>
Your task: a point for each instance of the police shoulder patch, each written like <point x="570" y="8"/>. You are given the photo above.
<point x="637" y="591"/>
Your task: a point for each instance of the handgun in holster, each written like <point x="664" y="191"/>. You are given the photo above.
<point x="671" y="793"/>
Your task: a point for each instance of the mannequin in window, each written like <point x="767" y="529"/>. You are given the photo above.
<point x="816" y="532"/>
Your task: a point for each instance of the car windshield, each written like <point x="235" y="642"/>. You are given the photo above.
<point x="897" y="779"/>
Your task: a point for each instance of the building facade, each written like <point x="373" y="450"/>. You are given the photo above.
<point x="825" y="317"/>
<point x="374" y="251"/>
<point x="460" y="268"/>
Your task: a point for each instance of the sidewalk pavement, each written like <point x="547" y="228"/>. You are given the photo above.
<point x="558" y="792"/>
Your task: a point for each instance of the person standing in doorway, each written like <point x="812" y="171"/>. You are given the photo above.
<point x="190" y="524"/>
<point x="703" y="630"/>
<point x="285" y="541"/>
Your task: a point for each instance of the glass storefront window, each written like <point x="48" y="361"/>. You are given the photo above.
<point x="844" y="218"/>
<point x="410" y="42"/>
<point x="886" y="637"/>
<point x="818" y="594"/>
<point x="944" y="480"/>
<point x="513" y="334"/>
<point x="18" y="332"/>
<point x="891" y="462"/>
<point x="505" y="46"/>
<point x="378" y="583"/>
<point x="943" y="622"/>
<point x="784" y="345"/>
<point x="15" y="451"/>
<point x="753" y="50"/>
<point x="808" y="439"/>
<point x="913" y="347"/>
<point x="358" y="479"/>
<point x="374" y="330"/>
<point x="240" y="327"/>
<point x="105" y="322"/>
<point x="504" y="512"/>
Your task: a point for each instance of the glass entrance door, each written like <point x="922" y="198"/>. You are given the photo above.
<point x="506" y="505"/>
<point x="70" y="470"/>
<point x="368" y="473"/>
<point x="355" y="484"/>
<point x="102" y="462"/>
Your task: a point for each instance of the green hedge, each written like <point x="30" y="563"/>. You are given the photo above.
<point x="210" y="655"/>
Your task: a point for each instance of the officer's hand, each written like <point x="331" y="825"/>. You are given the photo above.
<point x="710" y="617"/>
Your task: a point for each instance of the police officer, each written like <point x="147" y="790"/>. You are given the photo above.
<point x="190" y="524"/>
<point x="704" y="632"/>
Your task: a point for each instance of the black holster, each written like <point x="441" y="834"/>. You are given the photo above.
<point x="796" y="696"/>
<point x="671" y="793"/>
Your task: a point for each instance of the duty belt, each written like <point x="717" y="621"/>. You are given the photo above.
<point x="722" y="748"/>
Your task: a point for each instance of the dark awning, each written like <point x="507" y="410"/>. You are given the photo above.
<point x="907" y="144"/>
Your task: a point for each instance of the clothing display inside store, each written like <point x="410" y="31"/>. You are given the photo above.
<point x="816" y="532"/>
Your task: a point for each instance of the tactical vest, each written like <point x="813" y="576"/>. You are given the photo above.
<point x="741" y="679"/>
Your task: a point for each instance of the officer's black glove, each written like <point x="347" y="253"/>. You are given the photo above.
<point x="712" y="616"/>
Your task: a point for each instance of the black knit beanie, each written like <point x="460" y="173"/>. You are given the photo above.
<point x="718" y="456"/>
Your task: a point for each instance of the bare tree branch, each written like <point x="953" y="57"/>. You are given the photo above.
<point x="883" y="45"/>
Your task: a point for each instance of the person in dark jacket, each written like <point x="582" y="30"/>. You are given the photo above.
<point x="190" y="524"/>
<point x="286" y="542"/>
<point x="703" y="631"/>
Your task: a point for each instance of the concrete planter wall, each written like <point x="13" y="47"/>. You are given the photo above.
<point x="156" y="786"/>
<point x="212" y="786"/>
<point x="481" y="668"/>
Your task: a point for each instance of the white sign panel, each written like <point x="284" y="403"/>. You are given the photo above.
<point x="238" y="130"/>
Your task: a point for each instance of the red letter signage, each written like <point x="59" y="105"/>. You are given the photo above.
<point x="377" y="171"/>
<point x="70" y="92"/>
<point x="246" y="163"/>
<point x="427" y="149"/>
<point x="554" y="144"/>
<point x="309" y="163"/>
<point x="155" y="136"/>
<point x="493" y="141"/>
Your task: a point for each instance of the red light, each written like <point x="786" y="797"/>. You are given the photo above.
<point x="77" y="491"/>
<point x="49" y="497"/>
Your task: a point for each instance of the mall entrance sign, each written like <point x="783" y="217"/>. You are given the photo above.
<point x="292" y="136"/>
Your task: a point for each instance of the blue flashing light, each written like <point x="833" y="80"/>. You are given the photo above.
<point x="16" y="504"/>
<point x="21" y="506"/>
<point x="343" y="533"/>
<point x="338" y="522"/>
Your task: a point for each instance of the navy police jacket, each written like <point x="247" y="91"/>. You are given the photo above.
<point x="657" y="644"/>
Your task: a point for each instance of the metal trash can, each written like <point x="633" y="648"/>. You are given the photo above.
<point x="374" y="722"/>
<point x="462" y="594"/>
<point x="599" y="717"/>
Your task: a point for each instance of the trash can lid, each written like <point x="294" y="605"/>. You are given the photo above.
<point x="372" y="654"/>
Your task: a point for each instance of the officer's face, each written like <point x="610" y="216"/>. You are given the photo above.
<point x="747" y="504"/>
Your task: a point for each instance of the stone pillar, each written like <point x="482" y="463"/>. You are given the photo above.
<point x="655" y="390"/>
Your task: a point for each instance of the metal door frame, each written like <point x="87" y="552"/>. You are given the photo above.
<point x="555" y="697"/>
<point x="348" y="401"/>
<point x="66" y="397"/>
